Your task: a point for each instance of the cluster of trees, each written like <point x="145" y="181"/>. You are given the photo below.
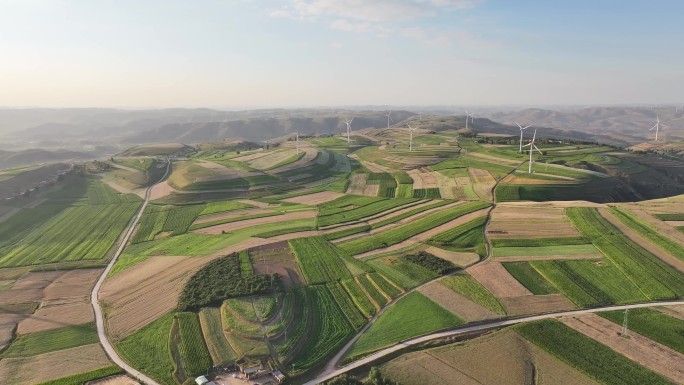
<point x="222" y="279"/>
<point x="430" y="262"/>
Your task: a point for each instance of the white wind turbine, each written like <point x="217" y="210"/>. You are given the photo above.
<point x="468" y="115"/>
<point x="521" y="134"/>
<point x="297" y="140"/>
<point x="349" y="130"/>
<point x="389" y="118"/>
<point x="532" y="148"/>
<point x="411" y="129"/>
<point x="657" y="126"/>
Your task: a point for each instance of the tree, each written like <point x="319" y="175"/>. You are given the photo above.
<point x="376" y="378"/>
<point x="343" y="380"/>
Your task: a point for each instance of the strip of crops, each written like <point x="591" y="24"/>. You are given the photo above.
<point x="353" y="314"/>
<point x="654" y="278"/>
<point x="193" y="351"/>
<point x="385" y="285"/>
<point x="578" y="292"/>
<point x="246" y="268"/>
<point x="579" y="250"/>
<point x="100" y="194"/>
<point x="404" y="273"/>
<point x="474" y="291"/>
<point x="289" y="230"/>
<point x="368" y="210"/>
<point x="403" y="178"/>
<point x="328" y="333"/>
<point x="648" y="231"/>
<point x="507" y="192"/>
<point x="345" y="203"/>
<point x="197" y="226"/>
<point x="265" y="307"/>
<point x="238" y="323"/>
<point x="76" y="233"/>
<point x="298" y="328"/>
<point x="52" y="340"/>
<point x="358" y="297"/>
<point x="378" y="177"/>
<point x="148" y="350"/>
<point x="83" y="378"/>
<point x="653" y="324"/>
<point x="151" y="224"/>
<point x="530" y="278"/>
<point x="212" y="329"/>
<point x="404" y="232"/>
<point x="319" y="260"/>
<point x="670" y="216"/>
<point x="426" y="193"/>
<point x="404" y="191"/>
<point x="411" y="213"/>
<point x="372" y="291"/>
<point x="591" y="357"/>
<point x="539" y="242"/>
<point x="243" y="307"/>
<point x="223" y="206"/>
<point x="348" y="232"/>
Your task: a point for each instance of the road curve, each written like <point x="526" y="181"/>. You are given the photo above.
<point x="99" y="319"/>
<point x="481" y="327"/>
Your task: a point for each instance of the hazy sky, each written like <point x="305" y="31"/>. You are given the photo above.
<point x="263" y="53"/>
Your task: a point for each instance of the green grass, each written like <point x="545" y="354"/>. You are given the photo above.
<point x="82" y="378"/>
<point x="545" y="250"/>
<point x="52" y="340"/>
<point x="320" y="260"/>
<point x="648" y="231"/>
<point x="148" y="350"/>
<point x="653" y="324"/>
<point x="412" y="316"/>
<point x="526" y="274"/>
<point x="404" y="232"/>
<point x="468" y="287"/>
<point x="588" y="356"/>
<point x="220" y="351"/>
<point x="193" y="350"/>
<point x="223" y="206"/>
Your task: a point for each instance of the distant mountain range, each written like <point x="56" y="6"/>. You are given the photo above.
<point x="11" y="159"/>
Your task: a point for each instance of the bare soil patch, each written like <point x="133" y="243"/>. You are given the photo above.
<point x="53" y="365"/>
<point x="277" y="260"/>
<point x="309" y="156"/>
<point x="455" y="303"/>
<point x="673" y="311"/>
<point x="496" y="159"/>
<point x="121" y="379"/>
<point x="161" y="190"/>
<point x="228" y="227"/>
<point x="29" y="288"/>
<point x="483" y="182"/>
<point x="460" y="259"/>
<point x="246" y="158"/>
<point x="534" y="304"/>
<point x="654" y="356"/>
<point x="423" y="179"/>
<point x="261" y="205"/>
<point x="497" y="280"/>
<point x="357" y="184"/>
<point x="643" y="242"/>
<point x="513" y="221"/>
<point x="315" y="199"/>
<point x="470" y="363"/>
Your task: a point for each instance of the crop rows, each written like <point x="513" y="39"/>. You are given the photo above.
<point x="410" y="213"/>
<point x="365" y="211"/>
<point x="426" y="193"/>
<point x="212" y="329"/>
<point x="404" y="191"/>
<point x="539" y="242"/>
<point x="353" y="314"/>
<point x="376" y="295"/>
<point x="648" y="231"/>
<point x="348" y="232"/>
<point x="653" y="324"/>
<point x="589" y="356"/>
<point x="466" y="236"/>
<point x="529" y="277"/>
<point x="358" y="297"/>
<point x="51" y="340"/>
<point x="180" y="218"/>
<point x="223" y="206"/>
<point x="246" y="268"/>
<point x="670" y="216"/>
<point x="298" y="327"/>
<point x="288" y="230"/>
<point x="404" y="232"/>
<point x="385" y="285"/>
<point x="404" y="273"/>
<point x="469" y="287"/>
<point x="100" y="194"/>
<point x="87" y="377"/>
<point x="193" y="351"/>
<point x="197" y="226"/>
<point x="319" y="260"/>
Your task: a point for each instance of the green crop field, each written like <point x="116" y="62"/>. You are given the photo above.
<point x="148" y="350"/>
<point x="223" y="206"/>
<point x="346" y="304"/>
<point x="376" y="295"/>
<point x="670" y="216"/>
<point x="412" y="316"/>
<point x="653" y="324"/>
<point x="212" y="330"/>
<point x="51" y="340"/>
<point x="538" y="242"/>
<point x="84" y="378"/>
<point x="529" y="277"/>
<point x="468" y="287"/>
<point x="410" y="213"/>
<point x="404" y="232"/>
<point x="426" y="193"/>
<point x="319" y="260"/>
<point x="359" y="298"/>
<point x="355" y="214"/>
<point x="193" y="350"/>
<point x="347" y="232"/>
<point x="404" y="273"/>
<point x="648" y="231"/>
<point x="591" y="357"/>
<point x="545" y="250"/>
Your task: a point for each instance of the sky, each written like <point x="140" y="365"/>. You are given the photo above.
<point x="309" y="53"/>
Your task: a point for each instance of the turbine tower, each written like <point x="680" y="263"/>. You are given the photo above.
<point x="349" y="130"/>
<point x="468" y="115"/>
<point x="532" y="148"/>
<point x="657" y="126"/>
<point x="411" y="129"/>
<point x="389" y="118"/>
<point x="297" y="140"/>
<point x="521" y="134"/>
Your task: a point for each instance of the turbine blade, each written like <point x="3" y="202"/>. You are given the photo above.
<point x="519" y="126"/>
<point x="527" y="127"/>
<point x="538" y="150"/>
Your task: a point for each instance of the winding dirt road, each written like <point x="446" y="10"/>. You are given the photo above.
<point x="99" y="319"/>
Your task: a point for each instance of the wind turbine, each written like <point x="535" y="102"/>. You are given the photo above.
<point x="297" y="139"/>
<point x="532" y="148"/>
<point x="411" y="129"/>
<point x="420" y="115"/>
<point x="521" y="134"/>
<point x="657" y="126"/>
<point x="468" y="115"/>
<point x="349" y="130"/>
<point x="389" y="118"/>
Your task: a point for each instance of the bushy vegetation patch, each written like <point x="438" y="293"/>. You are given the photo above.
<point x="222" y="279"/>
<point x="430" y="262"/>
